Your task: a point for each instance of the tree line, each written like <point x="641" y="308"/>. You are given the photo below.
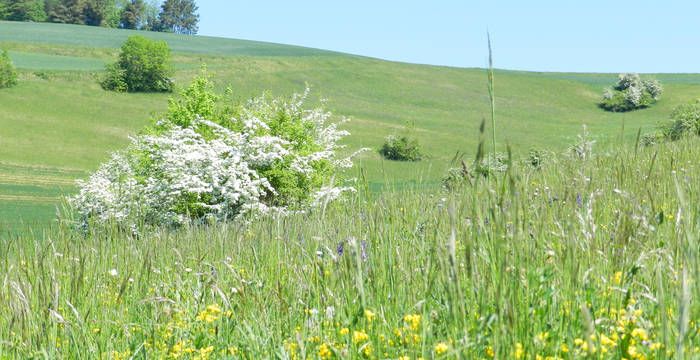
<point x="178" y="16"/>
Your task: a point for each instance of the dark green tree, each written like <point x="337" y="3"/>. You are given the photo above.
<point x="142" y="66"/>
<point x="22" y="10"/>
<point x="95" y="12"/>
<point x="178" y="16"/>
<point x="68" y="12"/>
<point x="4" y="9"/>
<point x="132" y="17"/>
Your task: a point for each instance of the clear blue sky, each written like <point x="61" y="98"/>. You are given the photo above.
<point x="564" y="35"/>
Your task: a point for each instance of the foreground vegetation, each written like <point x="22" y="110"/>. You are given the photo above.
<point x="592" y="255"/>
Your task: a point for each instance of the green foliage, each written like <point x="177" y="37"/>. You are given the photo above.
<point x="22" y="10"/>
<point x="630" y="93"/>
<point x="537" y="157"/>
<point x="178" y="16"/>
<point x="96" y="11"/>
<point x="115" y="79"/>
<point x="143" y="66"/>
<point x="68" y="12"/>
<point x="292" y="187"/>
<point x="132" y="17"/>
<point x="8" y="74"/>
<point x="198" y="99"/>
<point x="685" y="119"/>
<point x="651" y="139"/>
<point x="401" y="148"/>
<point x="113" y="13"/>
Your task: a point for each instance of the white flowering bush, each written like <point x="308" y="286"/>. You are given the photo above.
<point x="266" y="155"/>
<point x="630" y="93"/>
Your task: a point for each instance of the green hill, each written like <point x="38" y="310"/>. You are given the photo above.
<point x="58" y="124"/>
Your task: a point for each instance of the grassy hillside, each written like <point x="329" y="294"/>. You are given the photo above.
<point x="58" y="119"/>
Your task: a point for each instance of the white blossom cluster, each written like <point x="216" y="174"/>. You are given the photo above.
<point x="215" y="174"/>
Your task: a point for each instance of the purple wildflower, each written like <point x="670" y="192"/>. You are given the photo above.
<point x="339" y="249"/>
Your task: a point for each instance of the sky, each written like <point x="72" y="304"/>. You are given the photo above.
<point x="564" y="36"/>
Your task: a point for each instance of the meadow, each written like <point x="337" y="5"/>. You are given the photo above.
<point x="591" y="254"/>
<point x="585" y="257"/>
<point x="59" y="120"/>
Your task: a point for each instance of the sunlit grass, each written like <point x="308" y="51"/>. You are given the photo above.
<point x="583" y="259"/>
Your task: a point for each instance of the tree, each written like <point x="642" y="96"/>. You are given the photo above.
<point x="68" y="12"/>
<point x="132" y="17"/>
<point x="142" y="66"/>
<point x="22" y="10"/>
<point x="178" y="16"/>
<point x="95" y="12"/>
<point x="149" y="15"/>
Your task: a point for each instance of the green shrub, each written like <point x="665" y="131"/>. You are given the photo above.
<point x="402" y="148"/>
<point x="685" y="119"/>
<point x="537" y="157"/>
<point x="8" y="74"/>
<point x="491" y="165"/>
<point x="630" y="93"/>
<point x="291" y="125"/>
<point x="142" y="66"/>
<point x="651" y="139"/>
<point x="115" y="79"/>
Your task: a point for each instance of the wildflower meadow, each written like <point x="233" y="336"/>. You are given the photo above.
<point x="583" y="257"/>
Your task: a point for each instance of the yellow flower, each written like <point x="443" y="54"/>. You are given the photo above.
<point x="404" y="357"/>
<point x="489" y="352"/>
<point x="369" y="315"/>
<point x="324" y="352"/>
<point x="518" y="350"/>
<point x="605" y="340"/>
<point x="440" y="348"/>
<point x="344" y="331"/>
<point x="640" y="333"/>
<point x="367" y="350"/>
<point x="214" y="308"/>
<point x="359" y="336"/>
<point x="618" y="277"/>
<point x="413" y="320"/>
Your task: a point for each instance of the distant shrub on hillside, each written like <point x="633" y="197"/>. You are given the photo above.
<point x="401" y="148"/>
<point x="142" y="66"/>
<point x="685" y="119"/>
<point x="8" y="74"/>
<point x="630" y="93"/>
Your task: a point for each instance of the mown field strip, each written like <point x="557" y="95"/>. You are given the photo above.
<point x="32" y="180"/>
<point x="29" y="198"/>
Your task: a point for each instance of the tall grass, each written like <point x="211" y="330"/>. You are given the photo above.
<point x="492" y="96"/>
<point x="588" y="257"/>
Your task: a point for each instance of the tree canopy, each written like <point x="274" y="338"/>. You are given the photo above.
<point x="178" y="16"/>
